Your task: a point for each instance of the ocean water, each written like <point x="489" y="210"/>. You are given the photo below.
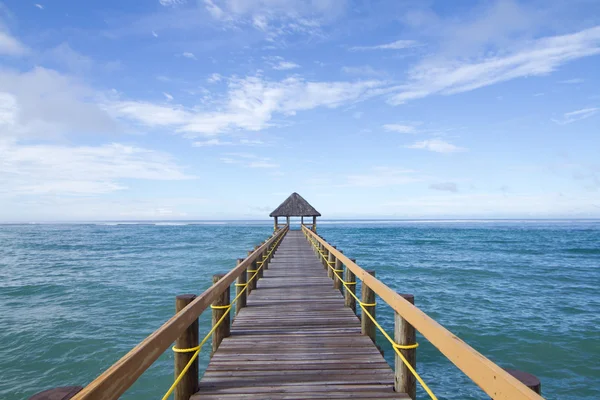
<point x="75" y="298"/>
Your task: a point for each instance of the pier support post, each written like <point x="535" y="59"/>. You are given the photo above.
<point x="337" y="283"/>
<point x="60" y="393"/>
<point x="275" y="224"/>
<point x="325" y="258"/>
<point x="405" y="334"/>
<point x="240" y="284"/>
<point x="349" y="276"/>
<point x="223" y="330"/>
<point x="188" y="339"/>
<point x="249" y="274"/>
<point x="330" y="261"/>
<point x="368" y="297"/>
<point x="314" y="226"/>
<point x="527" y="379"/>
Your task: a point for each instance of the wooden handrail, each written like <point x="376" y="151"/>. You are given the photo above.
<point x="492" y="379"/>
<point x="113" y="382"/>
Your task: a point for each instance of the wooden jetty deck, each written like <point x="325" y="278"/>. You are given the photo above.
<point x="295" y="339"/>
<point x="295" y="335"/>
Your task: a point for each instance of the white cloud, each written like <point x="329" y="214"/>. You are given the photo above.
<point x="171" y="3"/>
<point x="578" y="115"/>
<point x="400" y="128"/>
<point x="444" y="186"/>
<point x="249" y="104"/>
<point x="79" y="170"/>
<point x="277" y="18"/>
<point x="211" y="142"/>
<point x="154" y="34"/>
<point x="362" y="70"/>
<point x="10" y="46"/>
<point x="189" y="55"/>
<point x="44" y="103"/>
<point x="150" y="114"/>
<point x="538" y="57"/>
<point x="168" y="96"/>
<point x="41" y="7"/>
<point x="248" y="160"/>
<point x="397" y="45"/>
<point x="278" y="63"/>
<point x="381" y="177"/>
<point x="436" y="145"/>
<point x="573" y="81"/>
<point x="285" y="65"/>
<point x="214" y="78"/>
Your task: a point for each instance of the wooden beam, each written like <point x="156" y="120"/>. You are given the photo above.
<point x="492" y="379"/>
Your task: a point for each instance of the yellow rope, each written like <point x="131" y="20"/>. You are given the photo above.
<point x="367" y="304"/>
<point x="241" y="284"/>
<point x="191" y="349"/>
<point x="405" y="346"/>
<point x="349" y="283"/>
<point x="215" y="326"/>
<point x="395" y="346"/>
<point x="220" y="307"/>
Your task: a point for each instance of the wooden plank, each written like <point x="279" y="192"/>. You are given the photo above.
<point x="296" y="339"/>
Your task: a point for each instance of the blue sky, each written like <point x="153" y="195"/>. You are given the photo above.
<point x="212" y="109"/>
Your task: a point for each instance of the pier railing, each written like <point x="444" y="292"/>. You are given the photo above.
<point x="491" y="378"/>
<point x="113" y="382"/>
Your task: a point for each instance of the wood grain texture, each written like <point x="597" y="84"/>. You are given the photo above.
<point x="296" y="339"/>
<point x="188" y="339"/>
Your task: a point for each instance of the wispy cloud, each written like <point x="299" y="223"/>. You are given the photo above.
<point x="280" y="64"/>
<point x="41" y="7"/>
<point x="538" y="57"/>
<point x="573" y="81"/>
<point x="10" y="46"/>
<point x="249" y="104"/>
<point x="397" y="45"/>
<point x="214" y="78"/>
<point x="168" y="96"/>
<point x="171" y="3"/>
<point x="436" y="145"/>
<point x="249" y="160"/>
<point x="80" y="170"/>
<point x="444" y="187"/>
<point x="363" y="70"/>
<point x="189" y="55"/>
<point x="578" y="115"/>
<point x="400" y="128"/>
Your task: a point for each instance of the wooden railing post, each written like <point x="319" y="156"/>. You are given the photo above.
<point x="337" y="283"/>
<point x="223" y="330"/>
<point x="240" y="284"/>
<point x="368" y="297"/>
<point x="330" y="262"/>
<point x="405" y="335"/>
<point x="261" y="259"/>
<point x="250" y="274"/>
<point x="349" y="300"/>
<point x="188" y="339"/>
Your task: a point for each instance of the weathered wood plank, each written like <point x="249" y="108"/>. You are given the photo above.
<point x="296" y="339"/>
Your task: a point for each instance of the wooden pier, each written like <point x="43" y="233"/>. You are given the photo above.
<point x="290" y="331"/>
<point x="296" y="339"/>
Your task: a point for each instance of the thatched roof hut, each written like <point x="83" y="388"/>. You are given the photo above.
<point x="295" y="206"/>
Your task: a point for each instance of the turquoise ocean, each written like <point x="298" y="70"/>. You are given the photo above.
<point x="74" y="298"/>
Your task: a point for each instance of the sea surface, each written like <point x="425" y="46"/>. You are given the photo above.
<point x="74" y="298"/>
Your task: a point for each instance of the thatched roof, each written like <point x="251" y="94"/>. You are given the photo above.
<point x="295" y="206"/>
